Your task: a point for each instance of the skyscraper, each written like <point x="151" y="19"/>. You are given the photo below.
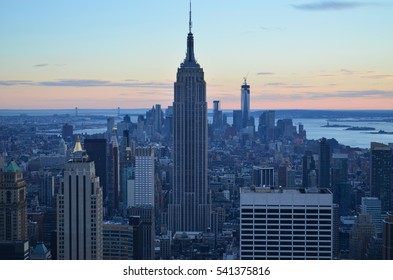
<point x="114" y="194"/>
<point x="142" y="193"/>
<point x="13" y="204"/>
<point x="245" y="103"/>
<point x="387" y="237"/>
<point x="324" y="164"/>
<point x="79" y="210"/>
<point x="190" y="205"/>
<point x="217" y="115"/>
<point x="97" y="151"/>
<point x="381" y="175"/>
<point x="266" y="125"/>
<point x="308" y="168"/>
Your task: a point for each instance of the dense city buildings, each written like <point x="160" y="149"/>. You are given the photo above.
<point x="188" y="183"/>
<point x="190" y="206"/>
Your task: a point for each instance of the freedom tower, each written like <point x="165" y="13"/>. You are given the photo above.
<point x="190" y="203"/>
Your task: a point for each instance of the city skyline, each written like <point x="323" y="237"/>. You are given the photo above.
<point x="99" y="54"/>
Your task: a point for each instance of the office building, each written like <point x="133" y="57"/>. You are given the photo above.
<point x="114" y="194"/>
<point x="387" y="237"/>
<point x="308" y="168"/>
<point x="97" y="151"/>
<point x="381" y="174"/>
<point x="143" y="192"/>
<point x="362" y="231"/>
<point x="286" y="224"/>
<point x="118" y="241"/>
<point x="324" y="164"/>
<point x="79" y="210"/>
<point x="67" y="132"/>
<point x="146" y="231"/>
<point x="14" y="250"/>
<point x="237" y="120"/>
<point x="13" y="204"/>
<point x="372" y="206"/>
<point x="217" y="115"/>
<point x="263" y="176"/>
<point x="190" y="202"/>
<point x="266" y="125"/>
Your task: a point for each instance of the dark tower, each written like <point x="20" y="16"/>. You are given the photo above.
<point x="97" y="151"/>
<point x="190" y="206"/>
<point x="324" y="164"/>
<point x="381" y="175"/>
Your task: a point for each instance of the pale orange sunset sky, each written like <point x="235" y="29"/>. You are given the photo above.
<point x="109" y="54"/>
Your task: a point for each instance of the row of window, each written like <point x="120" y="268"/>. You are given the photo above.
<point x="284" y="216"/>
<point x="287" y="243"/>
<point x="288" y="211"/>
<point x="285" y="248"/>
<point x="287" y="237"/>
<point x="290" y="226"/>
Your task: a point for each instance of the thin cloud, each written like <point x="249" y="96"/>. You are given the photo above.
<point x="41" y="65"/>
<point x="375" y="94"/>
<point x="378" y="77"/>
<point x="285" y="85"/>
<point x="86" y="83"/>
<point x="332" y="5"/>
<point x="264" y="73"/>
<point x="16" y="83"/>
<point x="265" y="28"/>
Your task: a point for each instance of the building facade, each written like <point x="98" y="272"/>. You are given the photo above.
<point x="286" y="224"/>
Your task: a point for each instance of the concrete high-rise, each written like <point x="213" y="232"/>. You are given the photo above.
<point x="190" y="203"/>
<point x="13" y="204"/>
<point x="79" y="210"/>
<point x="381" y="177"/>
<point x="245" y="103"/>
<point x="142" y="193"/>
<point x="286" y="224"/>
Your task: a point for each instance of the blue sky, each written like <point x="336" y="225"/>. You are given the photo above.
<point x="105" y="54"/>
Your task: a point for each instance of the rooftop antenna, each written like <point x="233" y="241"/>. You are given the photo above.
<point x="190" y="22"/>
<point x="245" y="78"/>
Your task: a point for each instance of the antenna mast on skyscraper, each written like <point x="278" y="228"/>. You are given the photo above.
<point x="245" y="78"/>
<point x="190" y="23"/>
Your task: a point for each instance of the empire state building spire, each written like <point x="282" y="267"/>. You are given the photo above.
<point x="190" y="57"/>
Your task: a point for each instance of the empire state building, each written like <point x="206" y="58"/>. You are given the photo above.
<point x="190" y="204"/>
